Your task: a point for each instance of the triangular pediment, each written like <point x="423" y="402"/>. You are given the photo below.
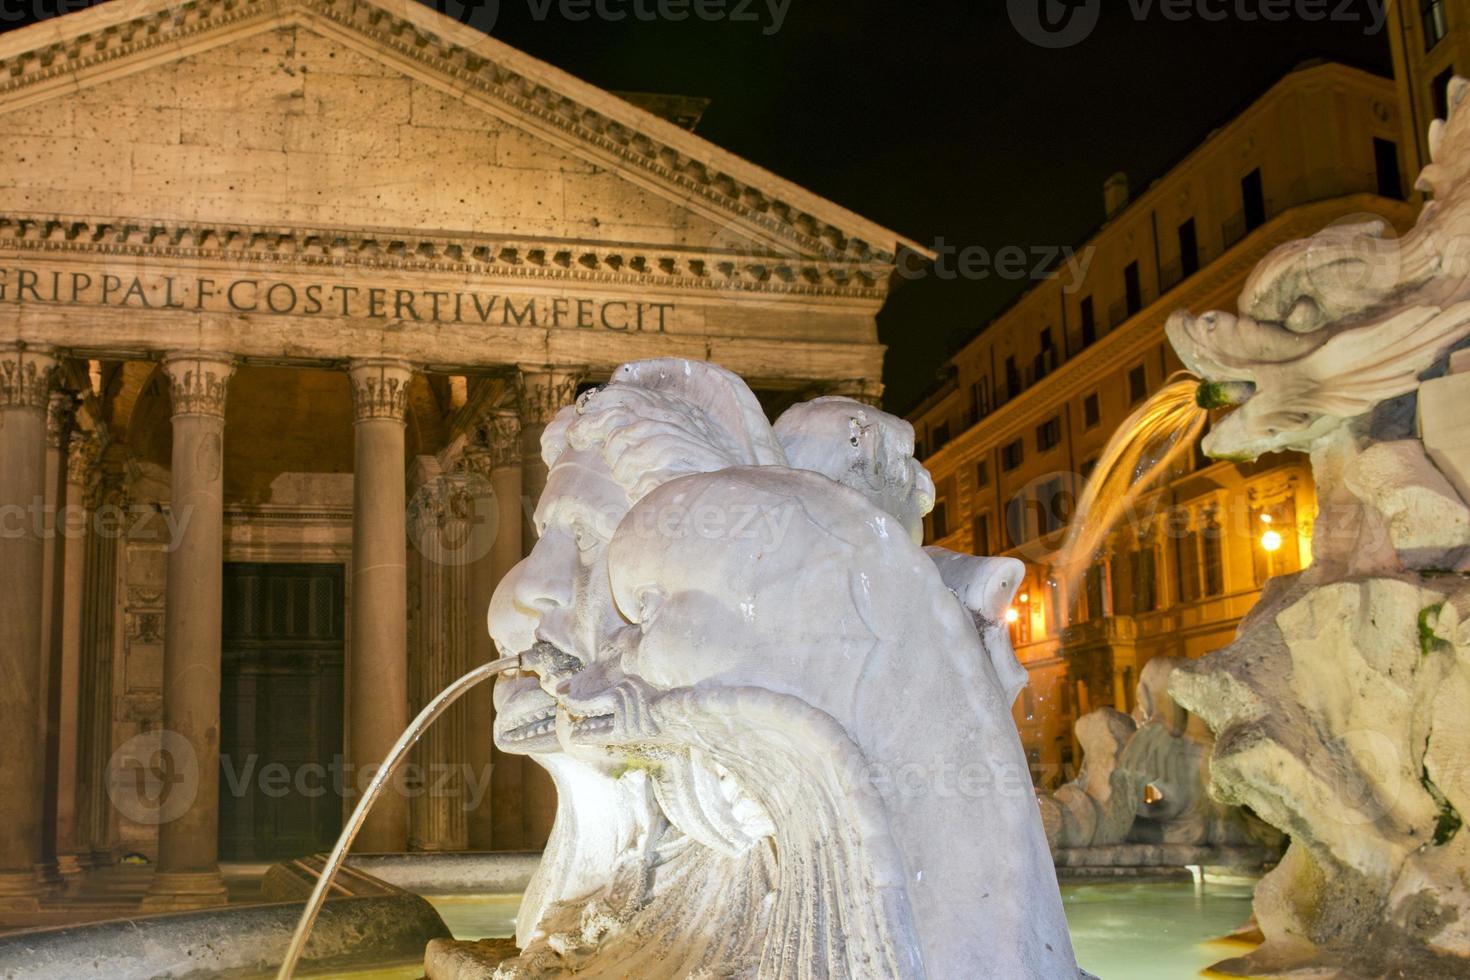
<point x="384" y="114"/>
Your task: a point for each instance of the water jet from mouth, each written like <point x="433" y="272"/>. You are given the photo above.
<point x="1140" y="453"/>
<point x="406" y="741"/>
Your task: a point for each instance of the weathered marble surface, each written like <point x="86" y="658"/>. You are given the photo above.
<point x="754" y="678"/>
<point x="1145" y="781"/>
<point x="1342" y="711"/>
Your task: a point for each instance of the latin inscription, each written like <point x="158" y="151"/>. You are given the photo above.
<point x="274" y="297"/>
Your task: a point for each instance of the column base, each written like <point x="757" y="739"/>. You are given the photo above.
<point x="180" y="891"/>
<point x="57" y="872"/>
<point x="20" y="891"/>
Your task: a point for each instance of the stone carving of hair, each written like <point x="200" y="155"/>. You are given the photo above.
<point x="864" y="449"/>
<point x="658" y="420"/>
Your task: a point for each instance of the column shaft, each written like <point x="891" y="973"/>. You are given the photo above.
<point x="377" y="669"/>
<point x="497" y="821"/>
<point x="25" y="381"/>
<point x="59" y="418"/>
<point x="72" y="527"/>
<point x="187" y="875"/>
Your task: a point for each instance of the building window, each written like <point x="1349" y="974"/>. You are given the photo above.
<point x="1093" y="584"/>
<point x="1213" y="558"/>
<point x="1436" y="25"/>
<point x="1088" y="468"/>
<point x="1145" y="581"/>
<point x="1253" y="193"/>
<point x="1012" y="456"/>
<point x="1053" y="506"/>
<point x="982" y="473"/>
<point x="939" y="436"/>
<point x="1049" y="434"/>
<point x="1386" y="159"/>
<point x="939" y="521"/>
<point x="1016" y="522"/>
<point x="982" y="535"/>
<point x="1089" y="322"/>
<point x="1188" y="248"/>
<point x="980" y="399"/>
<point x="1013" y="379"/>
<point x="1189" y="567"/>
<point x="1137" y="385"/>
<point x="1092" y="411"/>
<point x="1441" y="92"/>
<point x="1133" y="288"/>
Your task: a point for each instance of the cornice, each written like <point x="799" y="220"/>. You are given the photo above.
<point x="1138" y="334"/>
<point x="303" y="248"/>
<point x="684" y="163"/>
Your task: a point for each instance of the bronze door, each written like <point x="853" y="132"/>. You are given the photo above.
<point x="281" y="711"/>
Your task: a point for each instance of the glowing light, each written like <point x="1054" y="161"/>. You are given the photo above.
<point x="1012" y="615"/>
<point x="1271" y="541"/>
<point x="1025" y="597"/>
<point x="1266" y="518"/>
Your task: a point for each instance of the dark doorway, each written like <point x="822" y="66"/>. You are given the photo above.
<point x="280" y="711"/>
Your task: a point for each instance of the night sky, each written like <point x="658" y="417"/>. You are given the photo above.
<point x="940" y="120"/>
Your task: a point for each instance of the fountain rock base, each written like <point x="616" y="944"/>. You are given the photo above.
<point x="453" y="959"/>
<point x="1341" y="714"/>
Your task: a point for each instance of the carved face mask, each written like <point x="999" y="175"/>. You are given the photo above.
<point x="555" y="605"/>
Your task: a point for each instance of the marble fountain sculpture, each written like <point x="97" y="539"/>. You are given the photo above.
<point x="1142" y="797"/>
<point x="1342" y="710"/>
<point x="743" y="673"/>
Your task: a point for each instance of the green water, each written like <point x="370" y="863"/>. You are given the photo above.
<point x="1154" y="930"/>
<point x="1121" y="930"/>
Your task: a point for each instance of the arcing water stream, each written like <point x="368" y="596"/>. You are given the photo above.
<point x="406" y="741"/>
<point x="1140" y="452"/>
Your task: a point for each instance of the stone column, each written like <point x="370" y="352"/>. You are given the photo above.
<point x="105" y="499"/>
<point x="72" y="522"/>
<point x="495" y="454"/>
<point x="60" y="415"/>
<point x="377" y="667"/>
<point x="188" y="874"/>
<point x="25" y="384"/>
<point x="441" y="526"/>
<point x="544" y="391"/>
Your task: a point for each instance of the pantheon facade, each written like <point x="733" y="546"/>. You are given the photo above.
<point x="289" y="290"/>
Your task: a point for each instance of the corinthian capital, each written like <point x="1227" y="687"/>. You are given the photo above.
<point x="82" y="458"/>
<point x="544" y="391"/>
<point x="198" y="383"/>
<point x="61" y="413"/>
<point x="380" y="389"/>
<point x="25" y="376"/>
